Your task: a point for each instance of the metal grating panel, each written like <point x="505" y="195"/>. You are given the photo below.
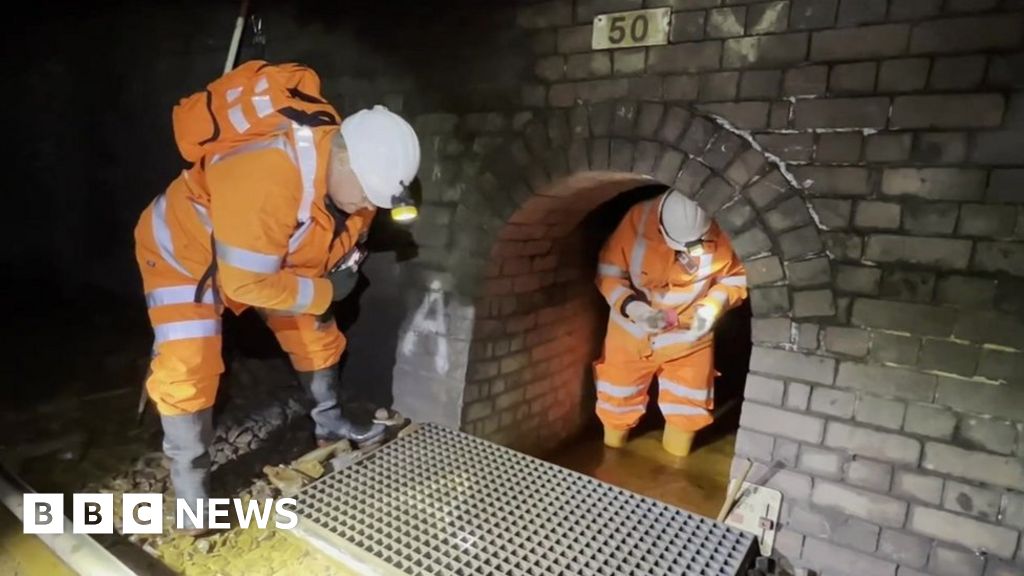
<point x="441" y="502"/>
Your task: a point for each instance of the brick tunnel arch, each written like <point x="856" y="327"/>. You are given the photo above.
<point x="528" y="368"/>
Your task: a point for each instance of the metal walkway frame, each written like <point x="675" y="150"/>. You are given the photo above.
<point x="441" y="502"/>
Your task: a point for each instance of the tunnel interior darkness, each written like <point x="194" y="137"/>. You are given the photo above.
<point x="541" y="325"/>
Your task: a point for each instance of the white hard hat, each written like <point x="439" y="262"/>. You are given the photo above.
<point x="681" y="220"/>
<point x="384" y="152"/>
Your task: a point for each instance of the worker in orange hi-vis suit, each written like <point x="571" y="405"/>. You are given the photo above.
<point x="270" y="215"/>
<point x="668" y="273"/>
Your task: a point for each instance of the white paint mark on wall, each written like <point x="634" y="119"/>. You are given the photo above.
<point x="431" y="321"/>
<point x="769" y="18"/>
<point x="794" y="337"/>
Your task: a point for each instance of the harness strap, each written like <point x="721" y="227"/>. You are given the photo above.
<point x="208" y="276"/>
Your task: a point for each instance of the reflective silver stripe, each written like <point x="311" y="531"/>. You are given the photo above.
<point x="619" y="292"/>
<point x="237" y="118"/>
<point x="233" y="94"/>
<point x="306" y="151"/>
<point x="263" y="105"/>
<point x="175" y="295"/>
<point x="636" y="258"/>
<point x="162" y="234"/>
<point x="675" y="298"/>
<point x="617" y="391"/>
<point x="261" y="84"/>
<point x="671" y="338"/>
<point x="247" y="259"/>
<point x="204" y="216"/>
<point x="719" y="296"/>
<point x="602" y="405"/>
<point x="305" y="296"/>
<point x="627" y="325"/>
<point x="611" y="271"/>
<point x="681" y="410"/>
<point x="734" y="281"/>
<point x="298" y="236"/>
<point x="280" y="142"/>
<point x="185" y="330"/>
<point x="683" y="391"/>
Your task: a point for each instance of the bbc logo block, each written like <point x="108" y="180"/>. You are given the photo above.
<point x="93" y="513"/>
<point x="44" y="513"/>
<point x="143" y="513"/>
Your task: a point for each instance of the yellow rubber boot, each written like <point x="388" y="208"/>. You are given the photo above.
<point x="615" y="438"/>
<point x="677" y="441"/>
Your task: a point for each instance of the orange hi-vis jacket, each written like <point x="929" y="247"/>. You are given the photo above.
<point x="264" y="205"/>
<point x="262" y="199"/>
<point x="251" y="214"/>
<point x="636" y="263"/>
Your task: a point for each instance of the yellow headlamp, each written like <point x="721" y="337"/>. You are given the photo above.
<point x="404" y="213"/>
<point x="403" y="209"/>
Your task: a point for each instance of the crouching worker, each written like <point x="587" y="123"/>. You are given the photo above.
<point x="271" y="214"/>
<point x="668" y="274"/>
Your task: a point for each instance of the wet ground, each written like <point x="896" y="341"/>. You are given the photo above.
<point x="696" y="483"/>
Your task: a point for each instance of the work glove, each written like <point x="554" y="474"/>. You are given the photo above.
<point x="650" y="320"/>
<point x="343" y="281"/>
<point x="703" y="321"/>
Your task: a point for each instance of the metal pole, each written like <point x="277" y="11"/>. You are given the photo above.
<point x="236" y="37"/>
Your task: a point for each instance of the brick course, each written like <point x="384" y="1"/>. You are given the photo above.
<point x="915" y="486"/>
<point x="821" y="555"/>
<point x="872" y="443"/>
<point x="929" y="420"/>
<point x="781" y="423"/>
<point x="997" y="470"/>
<point x="860" y="43"/>
<point x="962" y="530"/>
<point x="947" y="111"/>
<point x="872" y="507"/>
<point x="899" y="122"/>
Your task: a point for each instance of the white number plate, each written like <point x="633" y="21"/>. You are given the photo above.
<point x="636" y="28"/>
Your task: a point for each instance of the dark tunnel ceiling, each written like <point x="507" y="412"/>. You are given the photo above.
<point x="443" y="45"/>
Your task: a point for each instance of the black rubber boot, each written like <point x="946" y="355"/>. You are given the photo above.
<point x="330" y="424"/>
<point x="187" y="439"/>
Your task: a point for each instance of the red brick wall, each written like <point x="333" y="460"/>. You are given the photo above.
<point x="539" y="322"/>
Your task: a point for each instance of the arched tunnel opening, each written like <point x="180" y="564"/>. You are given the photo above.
<point x="541" y="326"/>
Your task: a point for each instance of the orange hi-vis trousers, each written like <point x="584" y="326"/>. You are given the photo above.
<point x="636" y="264"/>
<point x="685" y="384"/>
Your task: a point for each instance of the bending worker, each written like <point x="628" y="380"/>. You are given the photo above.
<point x="270" y="215"/>
<point x="668" y="273"/>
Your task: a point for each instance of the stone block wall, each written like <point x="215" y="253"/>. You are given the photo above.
<point x="865" y="157"/>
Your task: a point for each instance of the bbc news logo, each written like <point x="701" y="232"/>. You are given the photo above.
<point x="144" y="513"/>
